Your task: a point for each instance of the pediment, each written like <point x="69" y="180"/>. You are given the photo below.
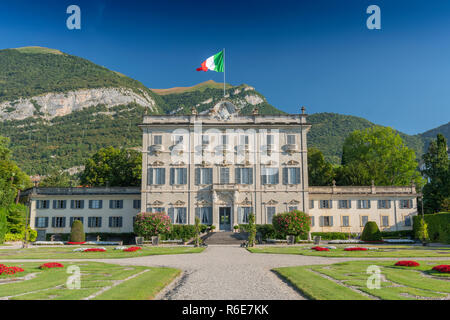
<point x="294" y="202"/>
<point x="178" y="164"/>
<point x="246" y="202"/>
<point x="292" y="163"/>
<point x="157" y="163"/>
<point x="179" y="203"/>
<point x="272" y="202"/>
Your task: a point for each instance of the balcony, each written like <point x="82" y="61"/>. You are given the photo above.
<point x="224" y="187"/>
<point x="290" y="148"/>
<point x="157" y="148"/>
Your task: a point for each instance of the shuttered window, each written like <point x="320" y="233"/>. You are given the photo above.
<point x="204" y="214"/>
<point x="115" y="222"/>
<point x="224" y="175"/>
<point x="291" y="175"/>
<point x="269" y="175"/>
<point x="244" y="175"/>
<point x="95" y="222"/>
<point x="203" y="176"/>
<point x="178" y="176"/>
<point x="345" y="221"/>
<point x="156" y="176"/>
<point x="115" y="204"/>
<point x="271" y="211"/>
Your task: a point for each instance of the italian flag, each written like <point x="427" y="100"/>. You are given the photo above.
<point x="213" y="63"/>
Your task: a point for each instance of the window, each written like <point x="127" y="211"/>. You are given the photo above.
<point x="244" y="140"/>
<point x="95" y="222"/>
<point x="406" y="204"/>
<point x="59" y="222"/>
<point x="290" y="139"/>
<point x="364" y="220"/>
<point x="72" y="219"/>
<point x="204" y="214"/>
<point x="224" y="140"/>
<point x="224" y="175"/>
<point x="270" y="140"/>
<point x="363" y="204"/>
<point x="244" y="175"/>
<point x="155" y="209"/>
<point x="178" y="215"/>
<point x="345" y="204"/>
<point x="325" y="204"/>
<point x="41" y="222"/>
<point x="312" y="221"/>
<point x="292" y="208"/>
<point x="156" y="176"/>
<point x="291" y="175"/>
<point x="407" y="221"/>
<point x="205" y="139"/>
<point x="271" y="211"/>
<point x="115" y="222"/>
<point x="203" y="176"/>
<point x="137" y="204"/>
<point x="157" y="140"/>
<point x="384" y="221"/>
<point x="345" y="221"/>
<point x="115" y="204"/>
<point x="269" y="175"/>
<point x="384" y="204"/>
<point x="59" y="204"/>
<point x="311" y="204"/>
<point x="95" y="204"/>
<point x="326" y="221"/>
<point x="243" y="214"/>
<point x="77" y="204"/>
<point x="178" y="176"/>
<point x="42" y="204"/>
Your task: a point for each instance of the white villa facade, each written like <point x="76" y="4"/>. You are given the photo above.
<point x="220" y="167"/>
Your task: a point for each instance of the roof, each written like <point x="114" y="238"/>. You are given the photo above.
<point x="81" y="191"/>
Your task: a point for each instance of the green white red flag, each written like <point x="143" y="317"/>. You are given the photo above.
<point x="213" y="63"/>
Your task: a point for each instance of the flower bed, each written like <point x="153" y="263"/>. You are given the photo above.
<point x="9" y="270"/>
<point x="132" y="249"/>
<point x="444" y="268"/>
<point x="407" y="263"/>
<point x="48" y="243"/>
<point x="75" y="243"/>
<point x="89" y="250"/>
<point x="344" y="241"/>
<point x="355" y="249"/>
<point x="50" y="265"/>
<point x="320" y="249"/>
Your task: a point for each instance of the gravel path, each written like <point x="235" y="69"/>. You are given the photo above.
<point x="229" y="273"/>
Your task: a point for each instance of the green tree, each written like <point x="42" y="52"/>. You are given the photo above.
<point x="77" y="232"/>
<point x="114" y="168"/>
<point x="378" y="154"/>
<point x="251" y="230"/>
<point x="197" y="231"/>
<point x="320" y="172"/>
<point x="57" y="179"/>
<point x="3" y="227"/>
<point x="422" y="231"/>
<point x="437" y="171"/>
<point x="16" y="217"/>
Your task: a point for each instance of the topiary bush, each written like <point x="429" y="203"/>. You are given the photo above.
<point x="3" y="226"/>
<point x="184" y="232"/>
<point x="371" y="232"/>
<point x="77" y="232"/>
<point x="438" y="226"/>
<point x="296" y="223"/>
<point x="251" y="230"/>
<point x="149" y="224"/>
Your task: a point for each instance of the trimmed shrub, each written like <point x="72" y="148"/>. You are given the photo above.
<point x="422" y="231"/>
<point x="3" y="226"/>
<point x="149" y="224"/>
<point x="333" y="235"/>
<point x="180" y="231"/>
<point x="267" y="231"/>
<point x="438" y="226"/>
<point x="251" y="230"/>
<point x="397" y="234"/>
<point x="295" y="222"/>
<point x="77" y="232"/>
<point x="371" y="232"/>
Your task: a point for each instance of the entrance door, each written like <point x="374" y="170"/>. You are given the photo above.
<point x="225" y="218"/>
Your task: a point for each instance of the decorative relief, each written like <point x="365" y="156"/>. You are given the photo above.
<point x="272" y="202"/>
<point x="292" y="163"/>
<point x="157" y="163"/>
<point x="294" y="202"/>
<point x="179" y="203"/>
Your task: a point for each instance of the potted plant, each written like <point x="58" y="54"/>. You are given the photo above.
<point x="236" y="228"/>
<point x="212" y="228"/>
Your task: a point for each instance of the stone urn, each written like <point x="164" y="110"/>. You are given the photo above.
<point x="155" y="240"/>
<point x="290" y="239"/>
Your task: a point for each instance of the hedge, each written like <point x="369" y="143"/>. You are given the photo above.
<point x="438" y="226"/>
<point x="397" y="234"/>
<point x="125" y="237"/>
<point x="3" y="226"/>
<point x="267" y="231"/>
<point x="333" y="235"/>
<point x="180" y="231"/>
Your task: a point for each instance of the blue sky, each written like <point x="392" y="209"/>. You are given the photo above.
<point x="315" y="53"/>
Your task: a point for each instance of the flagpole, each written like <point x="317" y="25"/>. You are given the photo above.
<point x="224" y="72"/>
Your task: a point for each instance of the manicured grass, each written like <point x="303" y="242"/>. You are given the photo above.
<point x="51" y="284"/>
<point x="66" y="252"/>
<point x="382" y="251"/>
<point x="397" y="283"/>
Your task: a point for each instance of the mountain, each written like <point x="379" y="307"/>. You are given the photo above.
<point x="58" y="109"/>
<point x="431" y="134"/>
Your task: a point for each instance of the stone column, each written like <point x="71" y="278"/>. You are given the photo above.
<point x="235" y="209"/>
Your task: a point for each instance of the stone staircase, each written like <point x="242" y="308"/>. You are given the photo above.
<point x="224" y="238"/>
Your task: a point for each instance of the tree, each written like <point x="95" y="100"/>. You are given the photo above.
<point x="3" y="227"/>
<point x="114" y="168"/>
<point x="251" y="230"/>
<point x="378" y="154"/>
<point x="149" y="224"/>
<point x="16" y="216"/>
<point x="77" y="232"/>
<point x="371" y="232"/>
<point x="320" y="172"/>
<point x="197" y="231"/>
<point x="437" y="171"/>
<point x="56" y="179"/>
<point x="422" y="231"/>
<point x="295" y="223"/>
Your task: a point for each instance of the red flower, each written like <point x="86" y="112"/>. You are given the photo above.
<point x="132" y="249"/>
<point x="355" y="249"/>
<point x="9" y="270"/>
<point x="94" y="250"/>
<point x="50" y="265"/>
<point x="320" y="249"/>
<point x="407" y="263"/>
<point x="444" y="268"/>
<point x="75" y="243"/>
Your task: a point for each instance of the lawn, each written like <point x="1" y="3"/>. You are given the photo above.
<point x="394" y="251"/>
<point x="66" y="252"/>
<point x="348" y="281"/>
<point x="98" y="281"/>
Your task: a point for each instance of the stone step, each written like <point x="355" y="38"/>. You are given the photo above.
<point x="223" y="238"/>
